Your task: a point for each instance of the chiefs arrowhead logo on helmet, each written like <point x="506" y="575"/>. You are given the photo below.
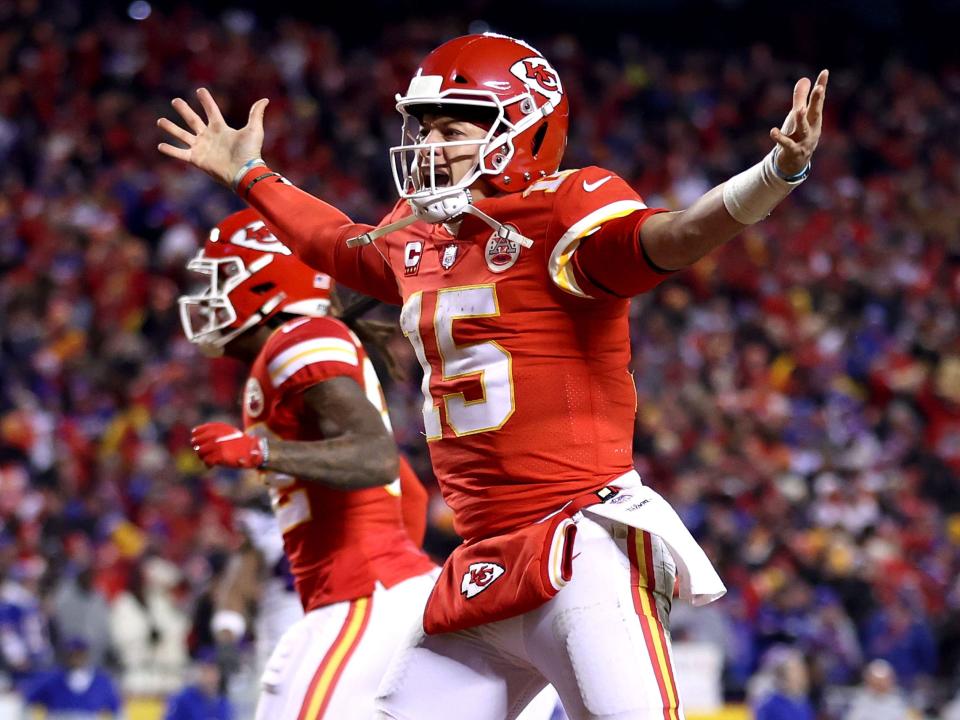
<point x="251" y="276"/>
<point x="257" y="236"/>
<point x="536" y="73"/>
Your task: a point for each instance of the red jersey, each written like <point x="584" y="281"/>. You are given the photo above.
<point x="528" y="397"/>
<point x="339" y="543"/>
<point x="414" y="500"/>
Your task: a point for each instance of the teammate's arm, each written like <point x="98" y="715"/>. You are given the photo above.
<point x="314" y="230"/>
<point x="236" y="590"/>
<point x="674" y="240"/>
<point x="357" y="451"/>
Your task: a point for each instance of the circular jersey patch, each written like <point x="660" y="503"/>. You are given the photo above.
<point x="253" y="398"/>
<point x="501" y="253"/>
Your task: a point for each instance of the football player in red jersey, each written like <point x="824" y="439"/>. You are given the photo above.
<point x="316" y="426"/>
<point x="515" y="279"/>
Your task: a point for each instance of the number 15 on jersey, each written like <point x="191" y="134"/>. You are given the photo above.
<point x="451" y="371"/>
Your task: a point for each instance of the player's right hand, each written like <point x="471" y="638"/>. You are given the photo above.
<point x="800" y="133"/>
<point x="213" y="146"/>
<point x="221" y="444"/>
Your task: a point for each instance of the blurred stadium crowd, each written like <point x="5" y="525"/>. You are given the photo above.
<point x="799" y="391"/>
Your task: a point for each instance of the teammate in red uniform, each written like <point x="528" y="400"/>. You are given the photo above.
<point x="515" y="281"/>
<point x="316" y="425"/>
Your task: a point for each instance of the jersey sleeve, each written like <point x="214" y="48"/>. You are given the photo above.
<point x="307" y="351"/>
<point x="594" y="237"/>
<point x="317" y="233"/>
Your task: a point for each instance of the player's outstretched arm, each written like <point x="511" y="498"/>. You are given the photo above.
<point x="675" y="240"/>
<point x="314" y="230"/>
<point x="211" y="145"/>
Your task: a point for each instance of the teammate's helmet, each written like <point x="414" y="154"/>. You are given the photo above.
<point x="252" y="276"/>
<point x="496" y="77"/>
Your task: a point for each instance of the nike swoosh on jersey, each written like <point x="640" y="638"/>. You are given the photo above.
<point x="590" y="187"/>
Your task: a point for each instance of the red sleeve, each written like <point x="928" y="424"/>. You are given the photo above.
<point x="594" y="237"/>
<point x="317" y="233"/>
<point x="413" y="502"/>
<point x="612" y="260"/>
<point x="307" y="351"/>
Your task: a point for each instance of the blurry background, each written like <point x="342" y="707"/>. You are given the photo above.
<point x="799" y="390"/>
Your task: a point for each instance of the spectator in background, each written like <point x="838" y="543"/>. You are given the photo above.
<point x="25" y="648"/>
<point x="149" y="630"/>
<point x="202" y="699"/>
<point x="878" y="698"/>
<point x="832" y="644"/>
<point x="78" y="691"/>
<point x="900" y="634"/>
<point x="789" y="698"/>
<point x="720" y="624"/>
<point x="80" y="610"/>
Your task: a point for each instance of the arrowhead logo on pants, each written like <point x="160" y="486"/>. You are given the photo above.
<point x="478" y="577"/>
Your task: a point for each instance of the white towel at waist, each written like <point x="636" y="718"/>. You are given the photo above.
<point x="640" y="507"/>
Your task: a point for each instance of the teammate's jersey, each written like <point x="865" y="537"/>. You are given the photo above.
<point x="278" y="606"/>
<point x="339" y="543"/>
<point x="528" y="396"/>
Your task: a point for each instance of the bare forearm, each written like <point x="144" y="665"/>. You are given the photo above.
<point x="239" y="584"/>
<point x="233" y="595"/>
<point x="348" y="462"/>
<point x="676" y="240"/>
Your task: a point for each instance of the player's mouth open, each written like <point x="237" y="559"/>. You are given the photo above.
<point x="441" y="178"/>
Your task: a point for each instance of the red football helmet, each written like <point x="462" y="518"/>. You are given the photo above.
<point x="509" y="80"/>
<point x="252" y="277"/>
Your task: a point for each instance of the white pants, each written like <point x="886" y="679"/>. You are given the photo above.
<point x="545" y="706"/>
<point x="329" y="664"/>
<point x="602" y="641"/>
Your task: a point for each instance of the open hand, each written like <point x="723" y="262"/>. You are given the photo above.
<point x="213" y="146"/>
<point x="800" y="133"/>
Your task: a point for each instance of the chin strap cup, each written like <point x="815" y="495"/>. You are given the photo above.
<point x="441" y="208"/>
<point x="436" y="210"/>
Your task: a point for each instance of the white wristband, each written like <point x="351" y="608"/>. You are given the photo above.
<point x="247" y="167"/>
<point x="229" y="621"/>
<point x="753" y="194"/>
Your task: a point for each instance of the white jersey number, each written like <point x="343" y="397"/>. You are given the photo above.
<point x="291" y="508"/>
<point x="486" y="363"/>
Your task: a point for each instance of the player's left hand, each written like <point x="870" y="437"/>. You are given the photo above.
<point x="800" y="133"/>
<point x="221" y="444"/>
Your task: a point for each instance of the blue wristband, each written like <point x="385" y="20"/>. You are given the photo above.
<point x="792" y="179"/>
<point x="247" y="167"/>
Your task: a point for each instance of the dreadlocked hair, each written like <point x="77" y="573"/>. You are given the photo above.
<point x="372" y="333"/>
